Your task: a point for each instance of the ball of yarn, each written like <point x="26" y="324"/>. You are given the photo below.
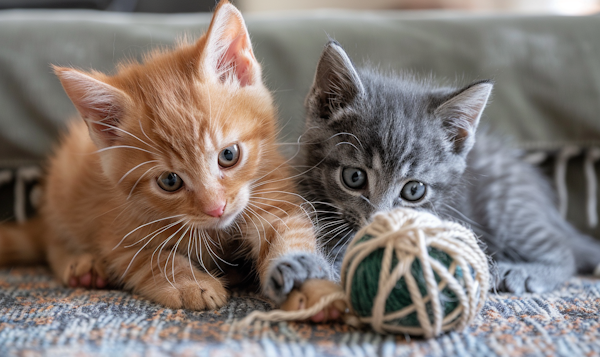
<point x="411" y="272"/>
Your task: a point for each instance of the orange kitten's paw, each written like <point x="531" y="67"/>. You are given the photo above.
<point x="208" y="294"/>
<point x="85" y="271"/>
<point x="310" y="293"/>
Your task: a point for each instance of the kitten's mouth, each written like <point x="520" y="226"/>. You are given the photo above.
<point x="225" y="220"/>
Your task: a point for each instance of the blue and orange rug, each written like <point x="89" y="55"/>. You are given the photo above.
<point x="39" y="317"/>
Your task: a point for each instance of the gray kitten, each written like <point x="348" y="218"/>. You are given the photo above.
<point x="374" y="142"/>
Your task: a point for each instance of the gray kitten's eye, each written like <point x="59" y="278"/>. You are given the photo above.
<point x="169" y="181"/>
<point x="354" y="178"/>
<point x="413" y="191"/>
<point x="229" y="156"/>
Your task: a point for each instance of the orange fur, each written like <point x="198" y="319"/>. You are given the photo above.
<point x="103" y="211"/>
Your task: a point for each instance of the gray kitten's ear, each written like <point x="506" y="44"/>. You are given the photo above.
<point x="336" y="81"/>
<point x="461" y="112"/>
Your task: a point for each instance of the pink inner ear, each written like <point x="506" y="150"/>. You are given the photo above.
<point x="100" y="104"/>
<point x="103" y="118"/>
<point x="237" y="59"/>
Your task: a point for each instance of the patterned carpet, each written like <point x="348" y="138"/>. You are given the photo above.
<point x="40" y="317"/>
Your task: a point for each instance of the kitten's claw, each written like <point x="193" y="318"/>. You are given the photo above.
<point x="309" y="294"/>
<point x="85" y="272"/>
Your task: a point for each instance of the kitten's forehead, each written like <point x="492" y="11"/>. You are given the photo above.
<point x="394" y="133"/>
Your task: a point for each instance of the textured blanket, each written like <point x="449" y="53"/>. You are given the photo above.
<point x="40" y="317"/>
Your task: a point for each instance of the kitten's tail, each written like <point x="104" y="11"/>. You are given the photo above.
<point x="21" y="243"/>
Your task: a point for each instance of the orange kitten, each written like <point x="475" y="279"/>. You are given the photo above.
<point x="173" y="173"/>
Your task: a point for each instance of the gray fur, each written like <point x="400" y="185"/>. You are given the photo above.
<point x="396" y="129"/>
<point x="291" y="270"/>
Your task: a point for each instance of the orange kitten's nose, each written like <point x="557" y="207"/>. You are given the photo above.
<point x="217" y="210"/>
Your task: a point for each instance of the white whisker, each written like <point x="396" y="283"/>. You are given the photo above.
<point x="144" y="225"/>
<point x="124" y="131"/>
<point x="138" y="181"/>
<point x="123" y="147"/>
<point x="130" y="171"/>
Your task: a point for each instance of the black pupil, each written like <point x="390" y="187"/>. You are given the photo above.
<point x="414" y="188"/>
<point x="228" y="154"/>
<point x="356" y="176"/>
<point x="170" y="180"/>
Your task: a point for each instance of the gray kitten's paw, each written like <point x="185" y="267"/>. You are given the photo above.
<point x="290" y="271"/>
<point x="520" y="278"/>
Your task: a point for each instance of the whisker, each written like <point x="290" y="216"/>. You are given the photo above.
<point x="329" y="224"/>
<point x="189" y="255"/>
<point x="260" y="220"/>
<point x="147" y="137"/>
<point x="339" y="230"/>
<point x="198" y="242"/>
<point x="272" y="214"/>
<point x="367" y="200"/>
<point x="218" y="257"/>
<point x="159" y="230"/>
<point x="123" y="147"/>
<point x="174" y="251"/>
<point x="347" y="143"/>
<point x="352" y="135"/>
<point x="144" y="225"/>
<point x="160" y="248"/>
<point x="124" y="131"/>
<point x="138" y="181"/>
<point x="257" y="230"/>
<point x="290" y="193"/>
<point x="136" y="254"/>
<point x="130" y="171"/>
<point x="266" y="204"/>
<point x="341" y="240"/>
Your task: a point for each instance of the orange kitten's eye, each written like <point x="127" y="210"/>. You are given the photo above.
<point x="169" y="181"/>
<point x="229" y="156"/>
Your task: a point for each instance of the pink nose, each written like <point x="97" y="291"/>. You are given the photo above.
<point x="216" y="211"/>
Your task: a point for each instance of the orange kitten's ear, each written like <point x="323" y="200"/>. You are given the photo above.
<point x="227" y="54"/>
<point x="101" y="105"/>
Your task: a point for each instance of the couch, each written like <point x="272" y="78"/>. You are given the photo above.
<point x="546" y="98"/>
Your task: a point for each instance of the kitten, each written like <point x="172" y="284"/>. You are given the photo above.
<point x="172" y="174"/>
<point x="374" y="142"/>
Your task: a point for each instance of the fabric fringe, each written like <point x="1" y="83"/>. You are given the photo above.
<point x="561" y="159"/>
<point x="21" y="177"/>
<point x="28" y="174"/>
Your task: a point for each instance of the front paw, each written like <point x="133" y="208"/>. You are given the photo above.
<point x="206" y="294"/>
<point x="290" y="271"/>
<point x="310" y="293"/>
<point x="84" y="271"/>
<point x="520" y="278"/>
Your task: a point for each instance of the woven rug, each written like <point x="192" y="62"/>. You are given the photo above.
<point x="40" y="317"/>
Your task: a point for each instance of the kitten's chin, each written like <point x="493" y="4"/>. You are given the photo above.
<point x="225" y="220"/>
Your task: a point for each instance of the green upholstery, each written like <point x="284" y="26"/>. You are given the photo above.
<point x="546" y="69"/>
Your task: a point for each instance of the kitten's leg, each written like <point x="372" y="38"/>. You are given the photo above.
<point x="76" y="269"/>
<point x="535" y="259"/>
<point x="169" y="279"/>
<point x="289" y="256"/>
<point x="288" y="259"/>
<point x="519" y="278"/>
